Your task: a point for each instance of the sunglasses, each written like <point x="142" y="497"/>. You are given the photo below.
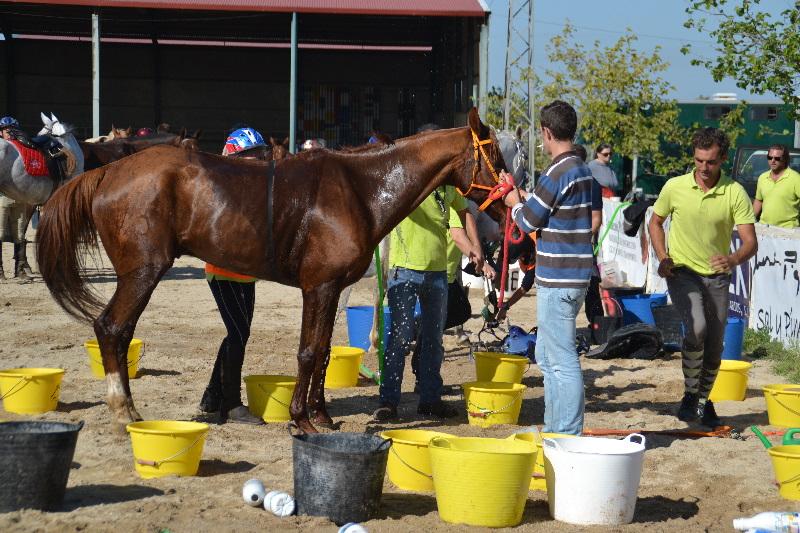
<point x="774" y="158"/>
<point x="606" y="154"/>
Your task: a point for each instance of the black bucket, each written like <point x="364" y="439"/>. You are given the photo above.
<point x="339" y="475"/>
<point x="35" y="458"/>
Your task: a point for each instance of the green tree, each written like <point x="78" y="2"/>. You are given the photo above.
<point x="494" y="108"/>
<point x="620" y="98"/>
<point x="760" y="51"/>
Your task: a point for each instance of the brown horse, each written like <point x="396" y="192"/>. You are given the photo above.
<point x="323" y="214"/>
<point x="96" y="155"/>
<point x="279" y="150"/>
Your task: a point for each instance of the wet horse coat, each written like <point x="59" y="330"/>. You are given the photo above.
<point x="322" y="214"/>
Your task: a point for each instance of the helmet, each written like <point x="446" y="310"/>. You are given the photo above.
<point x="308" y="145"/>
<point x="9" y="122"/>
<point x="373" y="140"/>
<point x="243" y="139"/>
<point x="144" y="131"/>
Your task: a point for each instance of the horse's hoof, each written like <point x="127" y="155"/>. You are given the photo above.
<point x="306" y="426"/>
<point x="119" y="428"/>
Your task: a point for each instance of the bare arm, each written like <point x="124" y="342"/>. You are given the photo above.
<point x="658" y="238"/>
<point x="473" y="244"/>
<point x="597" y="220"/>
<point x="749" y="247"/>
<point x="519" y="293"/>
<point x="757" y="205"/>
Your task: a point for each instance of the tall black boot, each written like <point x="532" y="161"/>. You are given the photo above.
<point x="19" y="267"/>
<point x="212" y="397"/>
<point x="232" y="409"/>
<point x="2" y="272"/>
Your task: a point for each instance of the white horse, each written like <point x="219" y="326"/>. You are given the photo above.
<point x="514" y="152"/>
<point x="16" y="183"/>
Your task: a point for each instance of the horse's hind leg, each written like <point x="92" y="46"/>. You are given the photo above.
<point x="319" y="312"/>
<point x="114" y="329"/>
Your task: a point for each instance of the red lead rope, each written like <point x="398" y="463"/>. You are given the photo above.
<point x="497" y="193"/>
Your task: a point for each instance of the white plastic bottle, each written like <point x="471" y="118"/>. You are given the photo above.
<point x="779" y="522"/>
<point x="279" y="503"/>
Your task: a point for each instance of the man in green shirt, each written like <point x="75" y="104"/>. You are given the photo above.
<point x="778" y="190"/>
<point x="704" y="206"/>
<point x="418" y="271"/>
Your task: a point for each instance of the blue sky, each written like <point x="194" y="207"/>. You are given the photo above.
<point x="655" y="22"/>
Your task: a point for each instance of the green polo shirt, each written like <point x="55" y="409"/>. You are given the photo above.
<point x="781" y="198"/>
<point x="419" y="242"/>
<point x="702" y="223"/>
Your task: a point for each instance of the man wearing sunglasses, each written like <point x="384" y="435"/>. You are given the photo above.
<point x="602" y="172"/>
<point x="778" y="190"/>
<point x="704" y="207"/>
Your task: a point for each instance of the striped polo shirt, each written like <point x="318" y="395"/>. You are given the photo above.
<point x="560" y="210"/>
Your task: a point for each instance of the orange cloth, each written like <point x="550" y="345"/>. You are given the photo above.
<point x="216" y="271"/>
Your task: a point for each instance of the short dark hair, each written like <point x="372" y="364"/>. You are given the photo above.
<point x="580" y="150"/>
<point x="602" y="147"/>
<point x="784" y="152"/>
<point x="707" y="137"/>
<point x="560" y="118"/>
<point x="428" y="127"/>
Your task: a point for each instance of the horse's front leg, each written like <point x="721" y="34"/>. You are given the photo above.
<point x="319" y="312"/>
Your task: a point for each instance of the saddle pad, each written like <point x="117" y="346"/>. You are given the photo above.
<point x="35" y="164"/>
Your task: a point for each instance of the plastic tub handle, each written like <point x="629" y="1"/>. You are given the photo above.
<point x="549" y="442"/>
<point x="788" y="437"/>
<point x="291" y="426"/>
<point x="629" y="438"/>
<point x="387" y="443"/>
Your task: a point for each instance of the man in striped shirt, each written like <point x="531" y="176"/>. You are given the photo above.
<point x="560" y="211"/>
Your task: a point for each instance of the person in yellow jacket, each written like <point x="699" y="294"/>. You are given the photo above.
<point x="235" y="296"/>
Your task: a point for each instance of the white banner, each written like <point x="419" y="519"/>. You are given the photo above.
<point x="626" y="251"/>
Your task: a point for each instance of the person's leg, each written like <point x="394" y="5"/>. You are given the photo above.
<point x="685" y="289"/>
<point x="717" y="300"/>
<point x="433" y="306"/>
<point x="564" y="395"/>
<point x="402" y="293"/>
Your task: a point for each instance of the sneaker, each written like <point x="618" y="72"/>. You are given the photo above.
<point x="386" y="411"/>
<point x="687" y="412"/>
<point x="709" y="415"/>
<point x="438" y="409"/>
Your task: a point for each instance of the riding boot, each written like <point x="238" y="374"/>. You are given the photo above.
<point x="212" y="397"/>
<point x="232" y="409"/>
<point x="23" y="257"/>
<point x="2" y="273"/>
<point x="19" y="268"/>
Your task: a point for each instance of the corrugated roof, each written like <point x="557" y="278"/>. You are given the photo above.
<point x="432" y="8"/>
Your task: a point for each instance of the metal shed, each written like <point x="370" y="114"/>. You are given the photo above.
<point x="331" y="69"/>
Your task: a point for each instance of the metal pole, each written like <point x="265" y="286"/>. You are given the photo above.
<point x="293" y="88"/>
<point x="95" y="74"/>
<point x="509" y="61"/>
<point x="483" y="69"/>
<point x="531" y="95"/>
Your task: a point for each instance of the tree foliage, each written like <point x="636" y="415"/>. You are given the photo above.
<point x="620" y="97"/>
<point x="760" y="51"/>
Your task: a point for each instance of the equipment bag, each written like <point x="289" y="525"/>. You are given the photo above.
<point x="635" y="341"/>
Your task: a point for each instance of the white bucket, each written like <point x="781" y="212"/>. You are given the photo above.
<point x="592" y="480"/>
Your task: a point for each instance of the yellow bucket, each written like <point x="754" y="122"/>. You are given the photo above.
<point x="538" y="479"/>
<point x="731" y="383"/>
<point x="783" y="405"/>
<point x="481" y="482"/>
<point x="30" y="391"/>
<point x="343" y="367"/>
<point x="490" y="403"/>
<point x="409" y="464"/>
<point x="135" y="349"/>
<point x="270" y="396"/>
<point x="786" y="463"/>
<point x="165" y="447"/>
<point x="500" y="367"/>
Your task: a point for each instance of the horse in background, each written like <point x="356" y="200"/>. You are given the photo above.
<point x="115" y="133"/>
<point x="278" y="150"/>
<point x="97" y="155"/>
<point x="327" y="211"/>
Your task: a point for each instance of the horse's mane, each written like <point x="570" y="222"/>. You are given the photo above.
<point x="154" y="135"/>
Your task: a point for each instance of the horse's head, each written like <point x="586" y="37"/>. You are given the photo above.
<point x="480" y="174"/>
<point x="279" y="150"/>
<point x="514" y="150"/>
<point x="52" y="126"/>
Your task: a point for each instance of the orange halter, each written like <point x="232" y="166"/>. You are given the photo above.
<point x="478" y="146"/>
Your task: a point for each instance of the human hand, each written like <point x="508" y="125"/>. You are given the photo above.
<point x="665" y="268"/>
<point x="476" y="257"/>
<point x="721" y="263"/>
<point x="501" y="314"/>
<point x="512" y="197"/>
<point x="488" y="271"/>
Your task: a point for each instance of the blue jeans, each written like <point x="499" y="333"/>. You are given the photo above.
<point x="558" y="360"/>
<point x="405" y="287"/>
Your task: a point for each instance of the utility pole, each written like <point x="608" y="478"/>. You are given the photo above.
<point x="519" y="60"/>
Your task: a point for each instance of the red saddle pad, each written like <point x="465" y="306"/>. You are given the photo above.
<point x="35" y="164"/>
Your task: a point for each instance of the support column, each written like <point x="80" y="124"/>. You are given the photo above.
<point x="293" y="88"/>
<point x="95" y="74"/>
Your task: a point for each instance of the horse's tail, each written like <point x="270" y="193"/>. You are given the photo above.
<point x="66" y="230"/>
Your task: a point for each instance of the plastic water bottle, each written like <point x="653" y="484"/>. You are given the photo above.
<point x="779" y="522"/>
<point x="352" y="527"/>
<point x="253" y="493"/>
<point x="279" y="503"/>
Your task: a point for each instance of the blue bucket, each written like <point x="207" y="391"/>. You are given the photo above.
<point x="734" y="338"/>
<point x="359" y="324"/>
<point x="637" y="307"/>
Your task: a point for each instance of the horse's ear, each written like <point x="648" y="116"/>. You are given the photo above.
<point x="519" y="131"/>
<point x="272" y="141"/>
<point x="128" y="131"/>
<point x="286" y="142"/>
<point x="182" y="134"/>
<point x="52" y="116"/>
<point x="46" y="120"/>
<point x="474" y="122"/>
<point x="197" y="134"/>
